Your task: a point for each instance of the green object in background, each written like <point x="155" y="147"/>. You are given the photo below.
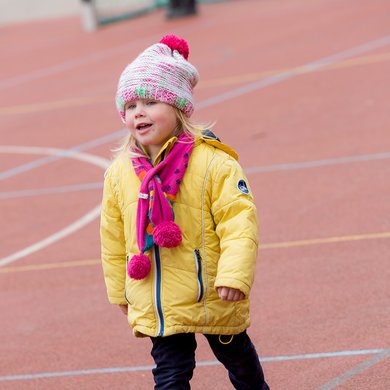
<point x="161" y="3"/>
<point x="96" y="13"/>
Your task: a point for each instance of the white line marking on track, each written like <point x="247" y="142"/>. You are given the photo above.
<point x="307" y="68"/>
<point x="317" y="163"/>
<point x="51" y="190"/>
<point x="257" y="85"/>
<point x="54" y="154"/>
<point x="113" y="370"/>
<point x="73" y="227"/>
<point x="78" y="224"/>
<point x="310" y="67"/>
<point x="248" y="171"/>
<point x="93" y="57"/>
<point x="73" y="63"/>
<point x="356" y="370"/>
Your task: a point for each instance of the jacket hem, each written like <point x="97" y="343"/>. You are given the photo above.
<point x="142" y="331"/>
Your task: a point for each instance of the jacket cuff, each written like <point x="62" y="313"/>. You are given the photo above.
<point x="232" y="283"/>
<point x="117" y="301"/>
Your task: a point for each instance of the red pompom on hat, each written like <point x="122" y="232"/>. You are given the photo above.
<point x="176" y="43"/>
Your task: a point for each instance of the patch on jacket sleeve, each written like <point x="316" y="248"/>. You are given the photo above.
<point x="242" y="186"/>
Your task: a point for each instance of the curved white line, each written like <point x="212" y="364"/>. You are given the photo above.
<point x="86" y="157"/>
<point x="84" y="220"/>
<point x="78" y="224"/>
<point x="229" y="95"/>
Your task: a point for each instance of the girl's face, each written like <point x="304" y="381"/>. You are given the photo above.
<point x="151" y="123"/>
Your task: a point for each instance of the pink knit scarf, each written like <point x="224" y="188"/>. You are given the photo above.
<point x="155" y="217"/>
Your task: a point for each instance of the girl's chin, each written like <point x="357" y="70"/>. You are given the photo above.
<point x="143" y="137"/>
<point x="143" y="132"/>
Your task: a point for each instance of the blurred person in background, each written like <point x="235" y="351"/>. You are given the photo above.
<point x="180" y="8"/>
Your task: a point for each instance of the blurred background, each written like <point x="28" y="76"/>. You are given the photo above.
<point x="300" y="88"/>
<point x="30" y="10"/>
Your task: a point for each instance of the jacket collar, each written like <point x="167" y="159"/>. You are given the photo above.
<point x="166" y="148"/>
<point x="163" y="151"/>
<point x="217" y="144"/>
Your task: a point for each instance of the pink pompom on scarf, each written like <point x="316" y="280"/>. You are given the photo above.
<point x="155" y="217"/>
<point x="139" y="266"/>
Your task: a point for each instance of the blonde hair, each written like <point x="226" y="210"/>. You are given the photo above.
<point x="184" y="125"/>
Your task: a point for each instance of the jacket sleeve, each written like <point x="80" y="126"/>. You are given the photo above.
<point x="113" y="247"/>
<point x="236" y="225"/>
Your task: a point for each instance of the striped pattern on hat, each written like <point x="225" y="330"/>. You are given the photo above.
<point x="162" y="73"/>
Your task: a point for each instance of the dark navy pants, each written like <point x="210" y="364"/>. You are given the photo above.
<point x="175" y="361"/>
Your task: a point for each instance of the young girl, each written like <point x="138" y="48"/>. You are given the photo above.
<point x="178" y="226"/>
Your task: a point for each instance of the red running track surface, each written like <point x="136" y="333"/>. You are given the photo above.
<point x="301" y="89"/>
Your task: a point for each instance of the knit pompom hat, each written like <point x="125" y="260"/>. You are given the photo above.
<point x="162" y="73"/>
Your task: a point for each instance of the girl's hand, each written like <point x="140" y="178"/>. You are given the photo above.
<point x="123" y="308"/>
<point x="230" y="294"/>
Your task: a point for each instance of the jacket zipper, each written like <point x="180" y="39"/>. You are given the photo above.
<point x="127" y="262"/>
<point x="157" y="291"/>
<point x="203" y="241"/>
<point x="198" y="263"/>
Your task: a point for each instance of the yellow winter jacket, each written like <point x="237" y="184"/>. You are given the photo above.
<point x="216" y="212"/>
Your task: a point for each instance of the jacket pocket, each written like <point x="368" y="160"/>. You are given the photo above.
<point x="198" y="265"/>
